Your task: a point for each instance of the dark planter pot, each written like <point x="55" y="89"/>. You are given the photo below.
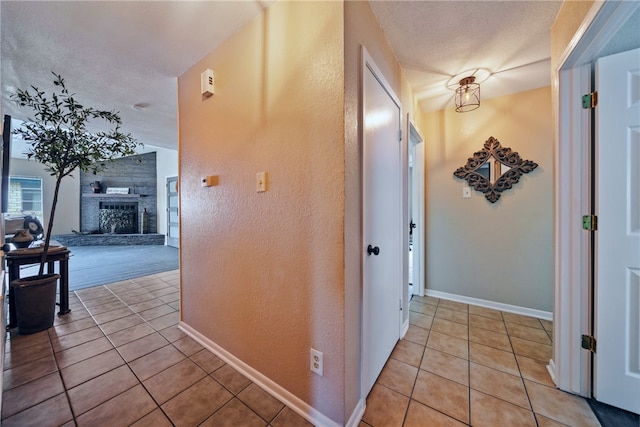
<point x="35" y="300"/>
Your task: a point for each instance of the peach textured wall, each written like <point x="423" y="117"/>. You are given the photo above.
<point x="499" y="252"/>
<point x="567" y="22"/>
<point x="262" y="274"/>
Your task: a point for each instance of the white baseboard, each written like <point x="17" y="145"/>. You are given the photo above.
<point x="551" y="368"/>
<point x="405" y="328"/>
<point x="356" y="415"/>
<point x="303" y="409"/>
<point x="546" y="315"/>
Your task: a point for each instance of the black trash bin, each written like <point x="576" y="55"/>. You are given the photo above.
<point x="35" y="302"/>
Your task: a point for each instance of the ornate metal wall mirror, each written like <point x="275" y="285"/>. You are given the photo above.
<point x="494" y="169"/>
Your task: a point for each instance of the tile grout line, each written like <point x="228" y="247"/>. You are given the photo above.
<point x="512" y="352"/>
<point x="415" y="380"/>
<point x="140" y="382"/>
<point x="207" y="374"/>
<point x="523" y="336"/>
<point x="58" y="371"/>
<point x="526" y="392"/>
<point x="125" y="362"/>
<point x="440" y="376"/>
<point x="469" y="361"/>
<point x="64" y="386"/>
<point x="158" y="406"/>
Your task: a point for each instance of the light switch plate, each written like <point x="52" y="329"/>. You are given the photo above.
<point x="466" y="192"/>
<point x="261" y="182"/>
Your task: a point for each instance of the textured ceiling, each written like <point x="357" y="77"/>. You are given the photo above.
<point x="117" y="54"/>
<point x="435" y="41"/>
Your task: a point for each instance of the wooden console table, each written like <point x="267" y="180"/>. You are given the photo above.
<point x="18" y="257"/>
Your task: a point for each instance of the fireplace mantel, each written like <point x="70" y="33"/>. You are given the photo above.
<point x="113" y="196"/>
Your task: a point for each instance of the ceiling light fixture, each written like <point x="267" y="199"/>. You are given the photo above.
<point x="467" y="95"/>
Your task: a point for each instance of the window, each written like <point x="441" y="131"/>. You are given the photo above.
<point x="25" y="196"/>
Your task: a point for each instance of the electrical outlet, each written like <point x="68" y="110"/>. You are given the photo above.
<point x="315" y="362"/>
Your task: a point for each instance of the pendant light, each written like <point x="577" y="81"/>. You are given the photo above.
<point x="467" y="95"/>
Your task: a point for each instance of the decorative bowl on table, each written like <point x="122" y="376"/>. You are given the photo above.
<point x="22" y="239"/>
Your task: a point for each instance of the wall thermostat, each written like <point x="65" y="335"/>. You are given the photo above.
<point x="209" y="181"/>
<point x="206" y="82"/>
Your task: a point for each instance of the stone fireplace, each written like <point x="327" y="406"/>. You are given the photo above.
<point x="134" y="185"/>
<point x="120" y="217"/>
<point x="135" y="174"/>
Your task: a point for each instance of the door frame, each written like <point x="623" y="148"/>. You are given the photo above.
<point x="169" y="223"/>
<point x="571" y="366"/>
<point x="418" y="179"/>
<point x="367" y="62"/>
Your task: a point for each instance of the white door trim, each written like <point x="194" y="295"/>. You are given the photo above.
<point x="170" y="239"/>
<point x="367" y="62"/>
<point x="418" y="175"/>
<point x="571" y="366"/>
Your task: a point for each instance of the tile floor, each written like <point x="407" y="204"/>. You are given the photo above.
<point x="463" y="365"/>
<point x="118" y="359"/>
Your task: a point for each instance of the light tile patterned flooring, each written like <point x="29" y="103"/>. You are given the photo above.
<point x="118" y="359"/>
<point x="463" y="365"/>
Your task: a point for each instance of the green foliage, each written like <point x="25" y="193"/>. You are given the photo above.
<point x="58" y="136"/>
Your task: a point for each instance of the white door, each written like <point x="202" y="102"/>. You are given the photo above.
<point x="617" y="358"/>
<point x="173" y="217"/>
<point x="382" y="223"/>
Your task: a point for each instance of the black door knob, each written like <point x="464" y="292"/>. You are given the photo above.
<point x="373" y="250"/>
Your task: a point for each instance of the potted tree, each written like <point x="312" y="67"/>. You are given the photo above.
<point x="59" y="137"/>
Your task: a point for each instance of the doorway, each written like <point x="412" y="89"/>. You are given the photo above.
<point x="416" y="258"/>
<point x="572" y="367"/>
<point x="173" y="214"/>
<point x="382" y="222"/>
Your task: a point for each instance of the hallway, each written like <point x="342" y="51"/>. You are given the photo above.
<point x="461" y="364"/>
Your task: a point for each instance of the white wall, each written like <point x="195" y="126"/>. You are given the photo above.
<point x="166" y="166"/>
<point x="500" y="252"/>
<point x="68" y="209"/>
